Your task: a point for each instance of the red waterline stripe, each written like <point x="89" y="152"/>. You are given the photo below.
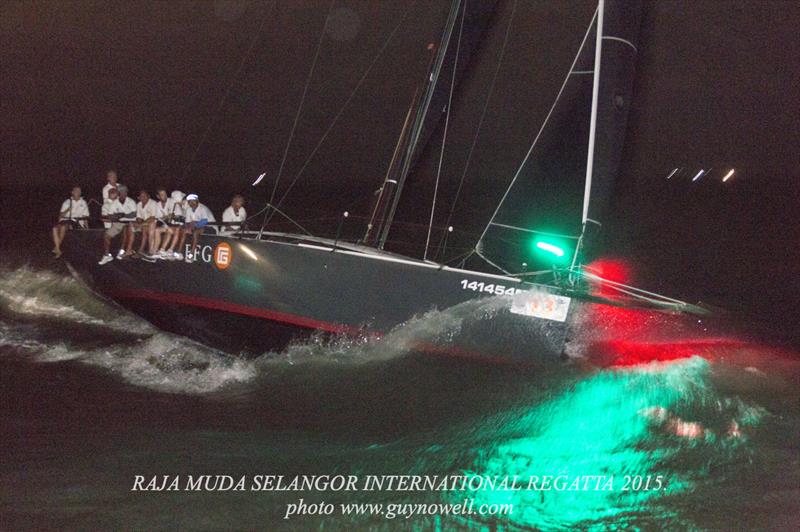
<point x="235" y="308"/>
<point x="293" y="319"/>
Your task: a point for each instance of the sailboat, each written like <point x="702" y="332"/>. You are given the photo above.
<point x="260" y="289"/>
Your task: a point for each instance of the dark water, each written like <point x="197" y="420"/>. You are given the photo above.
<point x="92" y="396"/>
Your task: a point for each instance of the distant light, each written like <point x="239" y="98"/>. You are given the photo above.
<point x="258" y="180"/>
<point x="450" y="229"/>
<point x="555" y="250"/>
<point x="699" y="175"/>
<point x="672" y="173"/>
<point x="248" y="252"/>
<point x="346" y="214"/>
<point x="728" y="175"/>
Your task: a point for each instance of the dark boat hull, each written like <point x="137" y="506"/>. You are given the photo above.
<point x="255" y="295"/>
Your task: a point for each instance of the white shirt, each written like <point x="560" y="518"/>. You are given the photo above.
<point x="108" y="187"/>
<point x="230" y="215"/>
<point x="148" y="210"/>
<point x="200" y="213"/>
<point x="75" y="209"/>
<point x="163" y="209"/>
<point x="107" y="209"/>
<point x="128" y="206"/>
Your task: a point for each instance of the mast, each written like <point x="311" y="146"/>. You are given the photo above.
<point x="598" y="55"/>
<point x="375" y="224"/>
<point x="419" y="120"/>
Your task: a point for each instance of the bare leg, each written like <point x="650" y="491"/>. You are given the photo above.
<point x="195" y="234"/>
<point x="56" y="241"/>
<point x="58" y="236"/>
<point x="130" y="237"/>
<point x="155" y="238"/>
<point x="145" y="229"/>
<point x="168" y="231"/>
<point x="179" y="239"/>
<point x="106" y="244"/>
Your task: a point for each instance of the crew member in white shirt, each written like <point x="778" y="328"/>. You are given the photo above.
<point x="112" y="181"/>
<point x="175" y="219"/>
<point x="146" y="214"/>
<point x="197" y="217"/>
<point x="234" y="216"/>
<point x="120" y="214"/>
<point x="74" y="213"/>
<point x="109" y="213"/>
<point x="160" y="230"/>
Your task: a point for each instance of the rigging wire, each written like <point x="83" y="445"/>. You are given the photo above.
<point x="538" y="135"/>
<point x="302" y="101"/>
<point x="341" y="111"/>
<point x="441" y="249"/>
<point x="446" y="125"/>
<point x="224" y="99"/>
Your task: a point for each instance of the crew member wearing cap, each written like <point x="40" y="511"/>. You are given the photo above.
<point x="234" y="215"/>
<point x="197" y="217"/>
<point x="74" y="213"/>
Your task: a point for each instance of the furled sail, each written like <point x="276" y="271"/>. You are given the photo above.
<point x="466" y="23"/>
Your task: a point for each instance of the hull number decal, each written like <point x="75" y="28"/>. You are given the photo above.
<point x="496" y="289"/>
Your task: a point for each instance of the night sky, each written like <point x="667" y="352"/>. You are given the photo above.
<point x="203" y="95"/>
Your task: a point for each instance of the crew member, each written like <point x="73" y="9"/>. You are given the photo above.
<point x="197" y="217"/>
<point x="74" y="213"/>
<point x="110" y="214"/>
<point x="112" y="181"/>
<point x="175" y="219"/>
<point x="160" y="230"/>
<point x="146" y="213"/>
<point x="234" y="216"/>
<point x="125" y="209"/>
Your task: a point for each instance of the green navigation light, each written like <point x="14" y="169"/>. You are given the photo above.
<point x="550" y="248"/>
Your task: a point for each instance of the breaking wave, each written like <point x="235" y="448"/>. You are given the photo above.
<point x="44" y="312"/>
<point x="32" y="293"/>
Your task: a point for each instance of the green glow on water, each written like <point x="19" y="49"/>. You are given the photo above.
<point x="599" y="426"/>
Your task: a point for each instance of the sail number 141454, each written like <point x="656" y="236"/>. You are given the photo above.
<point x="496" y="289"/>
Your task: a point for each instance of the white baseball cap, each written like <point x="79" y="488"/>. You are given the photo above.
<point x="191" y="197"/>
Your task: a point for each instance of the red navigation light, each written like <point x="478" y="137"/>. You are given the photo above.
<point x="614" y="270"/>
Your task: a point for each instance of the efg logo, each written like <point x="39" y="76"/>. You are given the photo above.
<point x="223" y="255"/>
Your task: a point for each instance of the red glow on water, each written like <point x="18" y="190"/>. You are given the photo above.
<point x="625" y="353"/>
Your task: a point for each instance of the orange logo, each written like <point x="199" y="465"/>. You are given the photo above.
<point x="223" y="255"/>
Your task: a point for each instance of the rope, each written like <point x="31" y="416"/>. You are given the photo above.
<point x="480" y="123"/>
<point x="341" y="111"/>
<point x="444" y="135"/>
<point x="302" y="101"/>
<point x="539" y="134"/>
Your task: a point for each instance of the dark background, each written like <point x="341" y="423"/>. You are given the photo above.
<point x="202" y="96"/>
